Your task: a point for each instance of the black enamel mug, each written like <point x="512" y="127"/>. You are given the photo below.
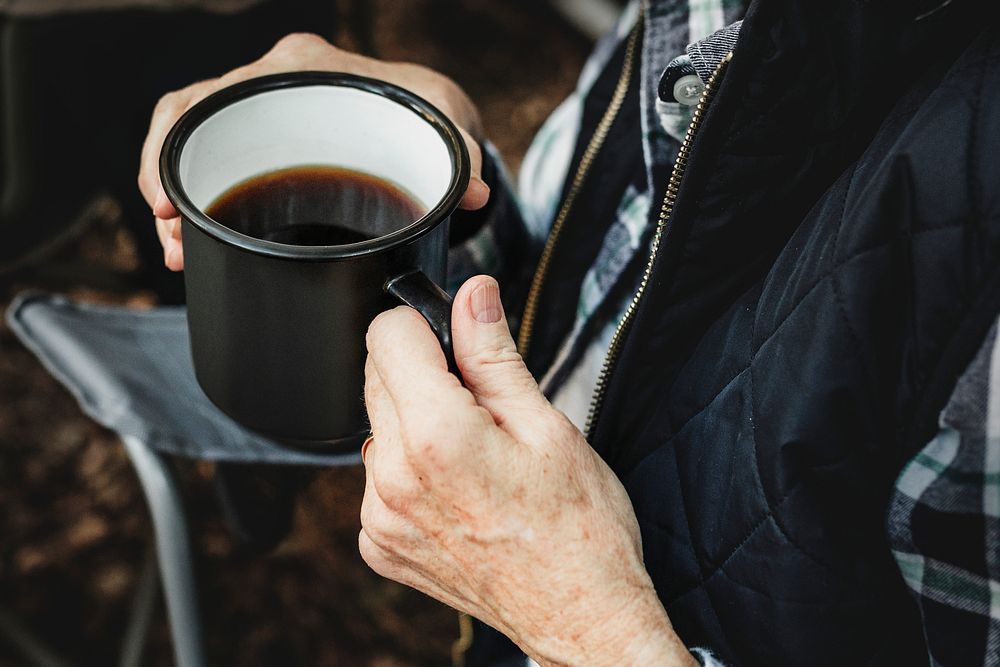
<point x="278" y="331"/>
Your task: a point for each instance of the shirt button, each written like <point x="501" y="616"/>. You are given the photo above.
<point x="688" y="90"/>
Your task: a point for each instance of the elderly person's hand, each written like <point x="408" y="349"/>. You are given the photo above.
<point x="299" y="52"/>
<point x="488" y="499"/>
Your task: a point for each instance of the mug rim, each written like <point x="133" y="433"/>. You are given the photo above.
<point x="182" y="130"/>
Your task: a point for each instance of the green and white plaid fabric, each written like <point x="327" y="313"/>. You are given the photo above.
<point x="944" y="521"/>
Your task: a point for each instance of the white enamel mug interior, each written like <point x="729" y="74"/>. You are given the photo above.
<point x="308" y="125"/>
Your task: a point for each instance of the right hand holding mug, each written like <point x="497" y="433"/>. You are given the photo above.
<point x="485" y="496"/>
<point x="299" y="52"/>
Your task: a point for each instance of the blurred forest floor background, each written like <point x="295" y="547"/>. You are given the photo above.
<point x="73" y="523"/>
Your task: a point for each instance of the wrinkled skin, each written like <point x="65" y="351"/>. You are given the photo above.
<point x="488" y="498"/>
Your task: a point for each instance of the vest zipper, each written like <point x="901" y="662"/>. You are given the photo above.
<point x="600" y="134"/>
<point x="666" y="210"/>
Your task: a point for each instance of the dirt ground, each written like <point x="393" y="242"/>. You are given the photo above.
<point x="73" y="524"/>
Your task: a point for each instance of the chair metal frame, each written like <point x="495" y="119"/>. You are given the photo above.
<point x="174" y="554"/>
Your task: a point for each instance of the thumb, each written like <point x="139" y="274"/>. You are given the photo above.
<point x="487" y="356"/>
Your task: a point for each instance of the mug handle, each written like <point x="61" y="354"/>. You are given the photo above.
<point x="419" y="292"/>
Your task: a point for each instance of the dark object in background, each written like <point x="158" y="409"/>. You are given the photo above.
<point x="258" y="501"/>
<point x="76" y="95"/>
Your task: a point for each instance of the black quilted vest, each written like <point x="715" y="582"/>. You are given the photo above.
<point x="829" y="270"/>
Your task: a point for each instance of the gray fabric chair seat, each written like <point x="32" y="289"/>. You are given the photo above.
<point x="131" y="371"/>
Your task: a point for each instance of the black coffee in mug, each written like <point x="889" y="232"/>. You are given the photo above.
<point x="315" y="206"/>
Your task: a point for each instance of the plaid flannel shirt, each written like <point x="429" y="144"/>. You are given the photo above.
<point x="944" y="521"/>
<point x="944" y="516"/>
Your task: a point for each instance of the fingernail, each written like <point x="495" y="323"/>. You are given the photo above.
<point x="486" y="307"/>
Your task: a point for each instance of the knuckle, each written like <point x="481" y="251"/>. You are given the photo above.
<point x="446" y="95"/>
<point x="451" y="91"/>
<point x="373" y="524"/>
<point x="146" y="182"/>
<point x="425" y="436"/>
<point x="420" y="445"/>
<point x="406" y="316"/>
<point x="424" y="452"/>
<point x="505" y="369"/>
<point x="437" y="83"/>
<point x="414" y="72"/>
<point x="497" y="356"/>
<point x="387" y="324"/>
<point x="377" y="520"/>
<point x="367" y="514"/>
<point x="437" y="443"/>
<point x="376" y="329"/>
<point x="371" y="554"/>
<point x="298" y="41"/>
<point x="396" y="492"/>
<point x="397" y="499"/>
<point x="169" y="102"/>
<point x="433" y="85"/>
